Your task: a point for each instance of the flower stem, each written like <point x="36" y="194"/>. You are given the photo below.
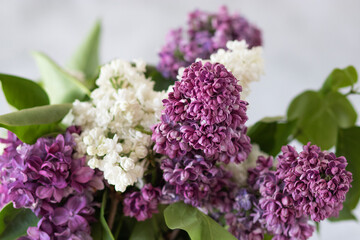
<point x="113" y="209"/>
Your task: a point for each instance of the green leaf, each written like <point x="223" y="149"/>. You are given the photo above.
<point x="22" y="93"/>
<point x="345" y="214"/>
<point x="198" y="225"/>
<point x="342" y="109"/>
<point x="59" y="84"/>
<point x="340" y="78"/>
<point x="267" y="237"/>
<point x="106" y="231"/>
<point x="86" y="58"/>
<point x="145" y="230"/>
<point x="348" y="145"/>
<point x="15" y="222"/>
<point x="31" y="123"/>
<point x="161" y="83"/>
<point x="319" y="116"/>
<point x="271" y="134"/>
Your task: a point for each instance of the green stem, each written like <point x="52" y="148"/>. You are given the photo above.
<point x="118" y="228"/>
<point x="113" y="209"/>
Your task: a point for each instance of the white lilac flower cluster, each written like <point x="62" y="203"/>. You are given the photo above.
<point x="115" y="123"/>
<point x="247" y="65"/>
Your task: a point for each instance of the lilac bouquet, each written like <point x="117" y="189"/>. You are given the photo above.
<point x="133" y="151"/>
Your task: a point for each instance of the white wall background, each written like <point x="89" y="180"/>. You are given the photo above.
<point x="304" y="41"/>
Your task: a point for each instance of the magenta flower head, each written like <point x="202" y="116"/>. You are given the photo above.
<point x="204" y="112"/>
<point x="142" y="204"/>
<point x="317" y="180"/>
<point x="46" y="173"/>
<point x="206" y="33"/>
<point x="57" y="187"/>
<point x="279" y="214"/>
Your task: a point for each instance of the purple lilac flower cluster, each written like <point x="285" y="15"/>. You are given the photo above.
<point x="142" y="204"/>
<point x="207" y="32"/>
<point x="312" y="183"/>
<point x="198" y="182"/>
<point x="204" y="112"/>
<point x="316" y="180"/>
<point x="45" y="178"/>
<point x="245" y="220"/>
<point x="279" y="216"/>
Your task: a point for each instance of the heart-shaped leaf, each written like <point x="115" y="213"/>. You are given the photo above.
<point x="319" y="116"/>
<point x="271" y="134"/>
<point x="198" y="225"/>
<point x="340" y="78"/>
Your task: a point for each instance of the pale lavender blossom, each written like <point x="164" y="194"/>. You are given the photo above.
<point x="206" y="33"/>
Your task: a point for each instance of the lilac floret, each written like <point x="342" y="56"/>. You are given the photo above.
<point x="142" y="204"/>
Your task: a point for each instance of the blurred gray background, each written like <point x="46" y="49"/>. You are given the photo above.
<point x="303" y="42"/>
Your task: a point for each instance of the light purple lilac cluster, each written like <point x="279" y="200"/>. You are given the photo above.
<point x="245" y="220"/>
<point x="142" y="204"/>
<point x="45" y="178"/>
<point x="206" y="33"/>
<point x="204" y="112"/>
<point x="316" y="180"/>
<point x="198" y="182"/>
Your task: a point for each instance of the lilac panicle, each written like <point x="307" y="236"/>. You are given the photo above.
<point x="317" y="180"/>
<point x="142" y="204"/>
<point x="312" y="183"/>
<point x="204" y="112"/>
<point x="278" y="212"/>
<point x="47" y="179"/>
<point x="206" y="33"/>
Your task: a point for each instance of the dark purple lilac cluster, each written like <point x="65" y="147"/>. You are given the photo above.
<point x="245" y="220"/>
<point x="45" y="178"/>
<point x="206" y="33"/>
<point x="316" y="180"/>
<point x="197" y="181"/>
<point x="204" y="112"/>
<point x="279" y="216"/>
<point x="312" y="183"/>
<point x="142" y="204"/>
